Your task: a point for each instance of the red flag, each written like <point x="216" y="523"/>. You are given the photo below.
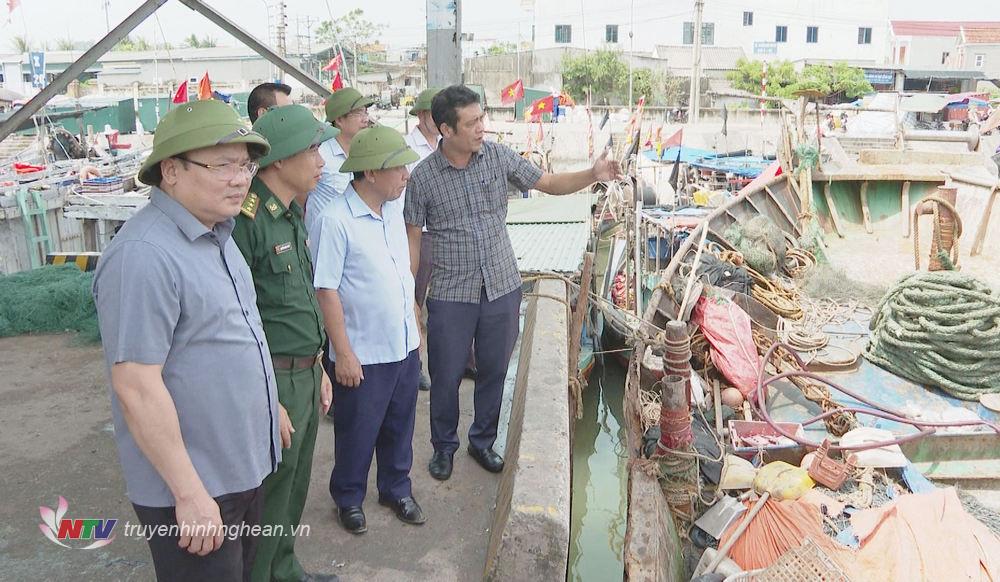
<point x="12" y="4"/>
<point x="338" y="83"/>
<point x="181" y="96"/>
<point x="512" y="92"/>
<point x="543" y="105"/>
<point x="334" y="64"/>
<point x="674" y="140"/>
<point x="204" y="88"/>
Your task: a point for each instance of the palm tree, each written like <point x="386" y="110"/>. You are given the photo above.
<point x="20" y="43"/>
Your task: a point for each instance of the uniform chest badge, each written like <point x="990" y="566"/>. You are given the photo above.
<point x="282" y="248"/>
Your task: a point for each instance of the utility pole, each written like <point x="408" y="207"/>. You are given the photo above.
<point x="444" y="43"/>
<point x="631" y="53"/>
<point x="693" y="103"/>
<point x="280" y="31"/>
<point x="107" y="19"/>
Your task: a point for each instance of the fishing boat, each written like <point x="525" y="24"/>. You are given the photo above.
<point x="816" y="364"/>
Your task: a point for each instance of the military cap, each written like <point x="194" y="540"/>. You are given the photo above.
<point x="344" y="101"/>
<point x="378" y="148"/>
<point x="423" y="102"/>
<point x="196" y="125"/>
<point x="291" y="129"/>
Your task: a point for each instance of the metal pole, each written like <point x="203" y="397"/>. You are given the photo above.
<point x="693" y="104"/>
<point x="59" y="84"/>
<point x="259" y="47"/>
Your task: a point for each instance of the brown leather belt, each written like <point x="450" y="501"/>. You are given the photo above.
<point x="293" y="363"/>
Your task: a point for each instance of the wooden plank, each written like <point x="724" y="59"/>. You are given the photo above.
<point x="775" y="215"/>
<point x="977" y="243"/>
<point x="833" y="210"/>
<point x="866" y="213"/>
<point x="784" y="211"/>
<point x="906" y="209"/>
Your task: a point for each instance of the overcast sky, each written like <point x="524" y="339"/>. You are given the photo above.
<point x="50" y="20"/>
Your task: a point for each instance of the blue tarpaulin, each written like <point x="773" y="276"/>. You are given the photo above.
<point x="688" y="155"/>
<point x="746" y="166"/>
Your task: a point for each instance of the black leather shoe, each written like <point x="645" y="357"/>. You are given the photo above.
<point x="406" y="510"/>
<point x="353" y="519"/>
<point x="425" y="382"/>
<point x="440" y="465"/>
<point x="320" y="578"/>
<point x="487" y="459"/>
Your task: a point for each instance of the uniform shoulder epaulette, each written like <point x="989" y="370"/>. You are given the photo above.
<point x="250" y="205"/>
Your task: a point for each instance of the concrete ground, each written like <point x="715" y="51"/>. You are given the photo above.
<point x="56" y="441"/>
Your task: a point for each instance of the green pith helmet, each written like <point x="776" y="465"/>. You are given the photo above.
<point x="378" y="148"/>
<point x="423" y="102"/>
<point x="291" y="129"/>
<point x="344" y="101"/>
<point x="196" y="125"/>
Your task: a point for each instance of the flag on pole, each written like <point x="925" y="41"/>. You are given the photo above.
<point x="543" y="105"/>
<point x="181" y="96"/>
<point x="512" y="93"/>
<point x="338" y="82"/>
<point x="204" y="88"/>
<point x="590" y="135"/>
<point x="604" y="120"/>
<point x="649" y="138"/>
<point x="675" y="140"/>
<point x="334" y="64"/>
<point x="675" y="172"/>
<point x="11" y="6"/>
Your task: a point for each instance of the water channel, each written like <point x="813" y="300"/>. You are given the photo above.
<point x="600" y="478"/>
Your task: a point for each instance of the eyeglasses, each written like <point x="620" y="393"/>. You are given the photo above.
<point x="229" y="170"/>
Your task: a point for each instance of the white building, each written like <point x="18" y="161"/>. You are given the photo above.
<point x="931" y="44"/>
<point x="850" y="30"/>
<point x="979" y="50"/>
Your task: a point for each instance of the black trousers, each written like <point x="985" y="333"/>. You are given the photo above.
<point x="230" y="563"/>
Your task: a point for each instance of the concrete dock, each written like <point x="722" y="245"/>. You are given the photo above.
<point x="57" y="441"/>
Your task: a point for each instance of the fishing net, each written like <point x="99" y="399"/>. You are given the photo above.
<point x="825" y="282"/>
<point x="760" y="241"/>
<point x="46" y="300"/>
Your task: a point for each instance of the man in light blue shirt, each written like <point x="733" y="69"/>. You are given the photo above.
<point x="347" y="110"/>
<point x="365" y="289"/>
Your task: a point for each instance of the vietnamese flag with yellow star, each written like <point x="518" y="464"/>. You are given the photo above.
<point x="512" y="93"/>
<point x="543" y="105"/>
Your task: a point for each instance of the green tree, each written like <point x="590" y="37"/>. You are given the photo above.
<point x="353" y="31"/>
<point x="65" y="44"/>
<point x="193" y="41"/>
<point x="598" y="74"/>
<point x="748" y="76"/>
<point x="501" y="48"/>
<point x="129" y="44"/>
<point x="850" y="81"/>
<point x="20" y="43"/>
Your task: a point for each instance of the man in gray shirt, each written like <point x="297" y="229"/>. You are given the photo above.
<point x="460" y="193"/>
<point x="193" y="394"/>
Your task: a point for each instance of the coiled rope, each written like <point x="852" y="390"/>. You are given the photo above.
<point x="941" y="329"/>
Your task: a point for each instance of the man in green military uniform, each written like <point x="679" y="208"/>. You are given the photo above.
<point x="271" y="235"/>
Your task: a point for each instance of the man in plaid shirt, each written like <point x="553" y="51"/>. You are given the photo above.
<point x="459" y="193"/>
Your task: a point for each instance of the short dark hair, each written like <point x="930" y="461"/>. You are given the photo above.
<point x="444" y="106"/>
<point x="263" y="96"/>
<point x="359" y="175"/>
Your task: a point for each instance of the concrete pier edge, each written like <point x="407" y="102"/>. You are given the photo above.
<point x="529" y="539"/>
